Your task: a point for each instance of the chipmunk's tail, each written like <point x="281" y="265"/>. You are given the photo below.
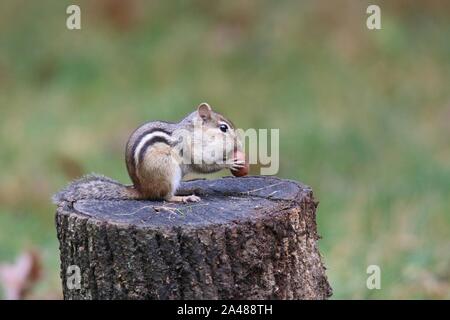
<point x="96" y="187"/>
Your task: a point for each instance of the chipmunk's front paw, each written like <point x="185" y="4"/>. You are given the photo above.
<point x="237" y="165"/>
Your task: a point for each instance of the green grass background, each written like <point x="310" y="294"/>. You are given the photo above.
<point x="364" y="116"/>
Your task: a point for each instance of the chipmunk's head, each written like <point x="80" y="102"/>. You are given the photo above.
<point x="215" y="140"/>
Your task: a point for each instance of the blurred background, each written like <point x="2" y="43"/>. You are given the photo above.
<point x="364" y="117"/>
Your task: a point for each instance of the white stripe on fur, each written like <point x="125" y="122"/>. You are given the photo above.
<point x="147" y="138"/>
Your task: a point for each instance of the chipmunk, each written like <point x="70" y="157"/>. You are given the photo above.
<point x="159" y="154"/>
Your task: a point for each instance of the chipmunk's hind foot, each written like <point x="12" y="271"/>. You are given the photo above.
<point x="184" y="199"/>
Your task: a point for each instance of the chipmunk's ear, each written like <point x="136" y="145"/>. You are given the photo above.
<point x="204" y="111"/>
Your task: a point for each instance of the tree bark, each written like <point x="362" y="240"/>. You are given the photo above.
<point x="249" y="238"/>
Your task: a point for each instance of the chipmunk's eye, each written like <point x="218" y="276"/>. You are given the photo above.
<point x="223" y="128"/>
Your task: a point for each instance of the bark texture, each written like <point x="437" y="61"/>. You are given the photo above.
<point x="249" y="238"/>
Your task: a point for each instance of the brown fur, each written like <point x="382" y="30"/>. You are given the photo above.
<point x="155" y="173"/>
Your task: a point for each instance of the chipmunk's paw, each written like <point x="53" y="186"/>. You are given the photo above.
<point x="184" y="199"/>
<point x="191" y="198"/>
<point x="237" y="165"/>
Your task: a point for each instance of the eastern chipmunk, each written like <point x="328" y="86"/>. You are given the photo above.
<point x="159" y="154"/>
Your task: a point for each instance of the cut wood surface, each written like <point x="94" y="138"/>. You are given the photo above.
<point x="249" y="238"/>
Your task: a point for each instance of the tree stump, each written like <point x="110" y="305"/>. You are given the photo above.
<point x="249" y="238"/>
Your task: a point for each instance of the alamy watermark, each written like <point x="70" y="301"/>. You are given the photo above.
<point x="373" y="22"/>
<point x="73" y="274"/>
<point x="254" y="143"/>
<point x="374" y="279"/>
<point x="73" y="21"/>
